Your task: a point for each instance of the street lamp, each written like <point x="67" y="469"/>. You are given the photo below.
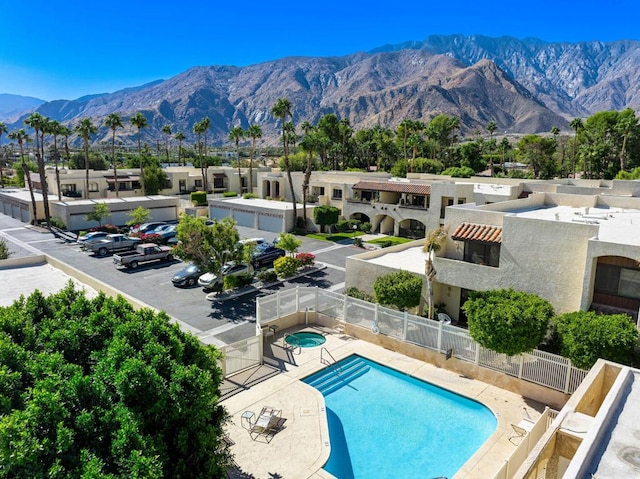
<point x="355" y="228"/>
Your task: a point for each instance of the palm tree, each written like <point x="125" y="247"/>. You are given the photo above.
<point x="627" y="124"/>
<point x="55" y="128"/>
<point x="180" y="137"/>
<point x="66" y="132"/>
<point x="254" y="132"/>
<point x="140" y="121"/>
<point x="40" y="124"/>
<point x="3" y="130"/>
<point x="491" y="128"/>
<point x="199" y="129"/>
<point x="114" y="121"/>
<point x="236" y="134"/>
<point x="282" y="110"/>
<point x="432" y="245"/>
<point x="166" y="129"/>
<point x="310" y="143"/>
<point x="576" y="124"/>
<point x="22" y="137"/>
<point x="85" y="129"/>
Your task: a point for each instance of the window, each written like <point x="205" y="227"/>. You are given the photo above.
<point x="93" y="187"/>
<point x="487" y="254"/>
<point x="182" y="185"/>
<point x="68" y="187"/>
<point x="462" y="201"/>
<point x="618" y="281"/>
<point x="198" y="183"/>
<point x="318" y="190"/>
<point x="337" y="194"/>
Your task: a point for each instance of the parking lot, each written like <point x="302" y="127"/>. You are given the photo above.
<point x="226" y="321"/>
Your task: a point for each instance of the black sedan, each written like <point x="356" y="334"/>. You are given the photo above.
<point x="265" y="254"/>
<point x="188" y="276"/>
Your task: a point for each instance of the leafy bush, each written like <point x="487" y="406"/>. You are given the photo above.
<point x="365" y="227"/>
<point x="357" y="242"/>
<point x="286" y="266"/>
<point x="4" y="249"/>
<point x="341" y="226"/>
<point x="249" y="196"/>
<point x="359" y="294"/>
<point x="229" y="194"/>
<point x="384" y="244"/>
<point x="111" y="229"/>
<point x="58" y="223"/>
<point x="306" y="259"/>
<point x="585" y="336"/>
<point x="232" y="282"/>
<point x="400" y="289"/>
<point x="199" y="198"/>
<point x="459" y="172"/>
<point x="267" y="275"/>
<point x="151" y="238"/>
<point x="507" y="321"/>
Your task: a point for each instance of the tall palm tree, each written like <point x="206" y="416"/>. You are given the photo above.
<point x="254" y="132"/>
<point x="236" y="134"/>
<point x="166" y="129"/>
<point x="40" y="124"/>
<point x="199" y="129"/>
<point x="114" y="121"/>
<point x="85" y="129"/>
<point x="3" y="130"/>
<point x="55" y="128"/>
<point x="180" y="137"/>
<point x="432" y="245"/>
<point x="577" y="125"/>
<point x="282" y="110"/>
<point x="491" y="128"/>
<point x="310" y="143"/>
<point x="66" y="132"/>
<point x="140" y="121"/>
<point x="22" y="137"/>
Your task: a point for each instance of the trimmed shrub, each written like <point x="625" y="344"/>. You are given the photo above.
<point x="249" y="196"/>
<point x="151" y="238"/>
<point x="229" y="194"/>
<point x="286" y="266"/>
<point x="267" y="275"/>
<point x="233" y="282"/>
<point x="4" y="249"/>
<point x="359" y="294"/>
<point x="400" y="289"/>
<point x="199" y="198"/>
<point x="58" y="223"/>
<point x="365" y="227"/>
<point x="306" y="259"/>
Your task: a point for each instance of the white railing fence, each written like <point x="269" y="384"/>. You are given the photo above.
<point x="538" y="367"/>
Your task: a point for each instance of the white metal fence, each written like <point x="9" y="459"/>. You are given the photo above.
<point x="538" y="367"/>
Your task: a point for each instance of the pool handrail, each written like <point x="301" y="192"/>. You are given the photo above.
<point x="333" y="363"/>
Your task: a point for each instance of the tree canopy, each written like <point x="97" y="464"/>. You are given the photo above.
<point x="585" y="336"/>
<point x="326" y="215"/>
<point x="93" y="388"/>
<point x="400" y="289"/>
<point x="99" y="213"/>
<point x="507" y="321"/>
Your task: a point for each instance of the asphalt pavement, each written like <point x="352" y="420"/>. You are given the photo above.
<point x="226" y="321"/>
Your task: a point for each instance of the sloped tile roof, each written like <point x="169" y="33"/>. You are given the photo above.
<point x="476" y="232"/>
<point x="393" y="186"/>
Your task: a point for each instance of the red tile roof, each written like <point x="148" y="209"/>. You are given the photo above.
<point x="394" y="187"/>
<point x="475" y="232"/>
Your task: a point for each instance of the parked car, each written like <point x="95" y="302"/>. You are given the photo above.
<point x="143" y="254"/>
<point x="209" y="280"/>
<point x="92" y="236"/>
<point x="111" y="244"/>
<point x="166" y="232"/>
<point x="187" y="276"/>
<point x="144" y="228"/>
<point x="266" y="254"/>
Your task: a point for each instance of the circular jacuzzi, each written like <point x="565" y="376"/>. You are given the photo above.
<point x="305" y="339"/>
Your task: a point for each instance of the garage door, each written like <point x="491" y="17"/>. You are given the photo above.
<point x="219" y="213"/>
<point x="270" y="223"/>
<point x="245" y="219"/>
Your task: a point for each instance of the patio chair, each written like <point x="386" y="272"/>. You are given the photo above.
<point x="267" y="424"/>
<point x="521" y="429"/>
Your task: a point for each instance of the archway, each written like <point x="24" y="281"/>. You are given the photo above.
<point x="413" y="229"/>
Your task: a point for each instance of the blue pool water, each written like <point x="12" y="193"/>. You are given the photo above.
<point x="383" y="423"/>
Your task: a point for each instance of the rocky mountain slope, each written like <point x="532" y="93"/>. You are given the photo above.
<point x="12" y="105"/>
<point x="525" y="86"/>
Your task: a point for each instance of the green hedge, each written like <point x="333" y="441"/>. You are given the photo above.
<point x="199" y="198"/>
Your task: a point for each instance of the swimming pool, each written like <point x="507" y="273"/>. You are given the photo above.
<point x="383" y="423"/>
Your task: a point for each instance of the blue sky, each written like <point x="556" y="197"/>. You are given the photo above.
<point x="53" y="50"/>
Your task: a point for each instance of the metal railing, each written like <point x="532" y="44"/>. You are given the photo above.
<point x="539" y="367"/>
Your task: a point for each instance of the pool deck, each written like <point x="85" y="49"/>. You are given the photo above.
<point x="301" y="447"/>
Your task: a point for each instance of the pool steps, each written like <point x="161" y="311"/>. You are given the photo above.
<point x="340" y="374"/>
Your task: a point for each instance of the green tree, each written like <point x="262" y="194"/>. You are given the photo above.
<point x="40" y="124"/>
<point x="85" y="129"/>
<point x="94" y="388"/>
<point x="113" y="121"/>
<point x="626" y="126"/>
<point x="166" y="129"/>
<point x="200" y="129"/>
<point x="400" y="289"/>
<point x="138" y="216"/>
<point x="507" y="321"/>
<point x="325" y="215"/>
<point x="282" y="111"/>
<point x="586" y="336"/>
<point x="180" y="137"/>
<point x="5" y="253"/>
<point x="491" y="128"/>
<point x="289" y="243"/>
<point x="310" y="143"/>
<point x="577" y="125"/>
<point x="140" y="121"/>
<point x="154" y="178"/>
<point x="236" y="134"/>
<point x="537" y="152"/>
<point x="22" y="137"/>
<point x="208" y="247"/>
<point x="432" y="244"/>
<point x="254" y="132"/>
<point x="99" y="213"/>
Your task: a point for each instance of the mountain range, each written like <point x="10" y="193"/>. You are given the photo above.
<point x="525" y="86"/>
